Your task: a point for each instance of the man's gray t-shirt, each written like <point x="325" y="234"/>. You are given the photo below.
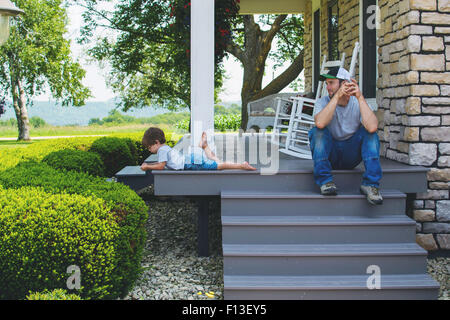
<point x="174" y="159"/>
<point x="346" y="120"/>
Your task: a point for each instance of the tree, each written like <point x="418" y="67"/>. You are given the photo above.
<point x="149" y="49"/>
<point x="37" y="57"/>
<point x="252" y="45"/>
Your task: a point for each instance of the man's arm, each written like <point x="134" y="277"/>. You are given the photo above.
<point x="153" y="166"/>
<point x="369" y="119"/>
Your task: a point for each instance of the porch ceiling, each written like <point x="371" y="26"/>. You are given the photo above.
<point x="272" y="6"/>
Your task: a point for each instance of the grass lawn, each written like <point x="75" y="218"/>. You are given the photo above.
<point x="48" y="130"/>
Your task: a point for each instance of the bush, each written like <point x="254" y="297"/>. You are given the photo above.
<point x="57" y="294"/>
<point x="42" y="234"/>
<point x="127" y="208"/>
<point x="115" y="154"/>
<point x="37" y="122"/>
<point x="81" y="161"/>
<point x="222" y="122"/>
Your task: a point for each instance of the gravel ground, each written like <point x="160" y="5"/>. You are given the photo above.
<point x="172" y="269"/>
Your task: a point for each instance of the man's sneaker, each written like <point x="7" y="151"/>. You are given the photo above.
<point x="328" y="189"/>
<point x="373" y="194"/>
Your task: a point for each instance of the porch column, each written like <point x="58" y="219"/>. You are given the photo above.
<point x="202" y="70"/>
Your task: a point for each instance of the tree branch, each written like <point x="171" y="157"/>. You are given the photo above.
<point x="235" y="50"/>
<point x="284" y="79"/>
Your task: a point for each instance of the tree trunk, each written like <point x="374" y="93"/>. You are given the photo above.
<point x="20" y="108"/>
<point x="253" y="58"/>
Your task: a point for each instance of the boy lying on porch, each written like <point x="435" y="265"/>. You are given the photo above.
<point x="345" y="134"/>
<point x="154" y="140"/>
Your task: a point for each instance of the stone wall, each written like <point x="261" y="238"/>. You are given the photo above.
<point x="414" y="104"/>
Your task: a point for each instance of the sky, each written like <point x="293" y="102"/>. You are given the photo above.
<point x="95" y="75"/>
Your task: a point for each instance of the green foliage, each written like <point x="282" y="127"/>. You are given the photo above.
<point x="37" y="122"/>
<point x="116" y="118"/>
<point x="125" y="206"/>
<point x="222" y="122"/>
<point x="11" y="122"/>
<point x="37" y="54"/>
<point x="77" y="160"/>
<point x="115" y="154"/>
<point x="57" y="294"/>
<point x="150" y="53"/>
<point x="42" y="234"/>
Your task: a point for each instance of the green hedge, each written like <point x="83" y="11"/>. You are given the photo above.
<point x="127" y="208"/>
<point x="77" y="160"/>
<point x="42" y="234"/>
<point x="57" y="294"/>
<point x="115" y="153"/>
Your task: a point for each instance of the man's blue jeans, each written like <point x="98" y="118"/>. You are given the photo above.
<point x="330" y="154"/>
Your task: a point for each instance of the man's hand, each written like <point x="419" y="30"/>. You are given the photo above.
<point x="352" y="89"/>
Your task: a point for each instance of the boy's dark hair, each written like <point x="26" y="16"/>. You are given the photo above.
<point x="151" y="135"/>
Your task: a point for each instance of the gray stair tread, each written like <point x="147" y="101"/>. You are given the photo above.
<point x="336" y="282"/>
<point x="225" y="194"/>
<point x="296" y="250"/>
<point x="315" y="220"/>
<point x="131" y="171"/>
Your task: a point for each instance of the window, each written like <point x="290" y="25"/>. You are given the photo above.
<point x="333" y="23"/>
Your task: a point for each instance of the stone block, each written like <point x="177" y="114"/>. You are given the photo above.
<point x="435" y="18"/>
<point x="428" y="62"/>
<point x="439" y="134"/>
<point x="439" y="185"/>
<point x="444" y="161"/>
<point x="435" y="77"/>
<point x="413" y="105"/>
<point x="436" y="174"/>
<point x="443" y="211"/>
<point x="414" y="43"/>
<point x="444" y="5"/>
<point x="424" y="121"/>
<point x="443" y="241"/>
<point x="411" y="134"/>
<point x="433" y="195"/>
<point x="425" y="5"/>
<point x="424" y="215"/>
<point x="436" y="227"/>
<point x="444" y="148"/>
<point x="433" y="44"/>
<point x="425" y="90"/>
<point x="422" y="154"/>
<point x="426" y="241"/>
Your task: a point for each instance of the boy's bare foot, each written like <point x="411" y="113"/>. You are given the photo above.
<point x="246" y="166"/>
<point x="204" y="142"/>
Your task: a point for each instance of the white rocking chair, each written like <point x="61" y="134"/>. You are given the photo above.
<point x="295" y="126"/>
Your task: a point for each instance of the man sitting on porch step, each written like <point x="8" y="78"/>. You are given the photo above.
<point x="345" y="134"/>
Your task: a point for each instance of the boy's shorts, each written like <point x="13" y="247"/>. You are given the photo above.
<point x="199" y="163"/>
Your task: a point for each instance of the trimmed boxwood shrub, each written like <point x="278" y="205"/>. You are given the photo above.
<point x="42" y="234"/>
<point x="77" y="160"/>
<point x="115" y="154"/>
<point x="128" y="209"/>
<point x="57" y="294"/>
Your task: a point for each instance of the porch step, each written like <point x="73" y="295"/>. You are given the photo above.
<point x="336" y="287"/>
<point x="308" y="203"/>
<point x="317" y="229"/>
<point x="333" y="259"/>
<point x="301" y="245"/>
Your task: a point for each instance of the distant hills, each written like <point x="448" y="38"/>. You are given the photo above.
<point x="57" y="115"/>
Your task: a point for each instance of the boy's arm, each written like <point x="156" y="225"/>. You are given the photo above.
<point x="153" y="166"/>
